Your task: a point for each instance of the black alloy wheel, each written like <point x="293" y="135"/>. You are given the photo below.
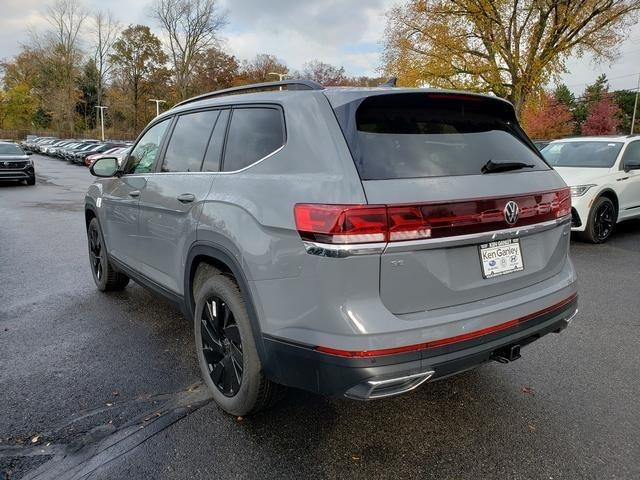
<point x="95" y="252"/>
<point x="603" y="221"/>
<point x="222" y="346"/>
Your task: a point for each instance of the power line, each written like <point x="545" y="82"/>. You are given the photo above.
<point x="608" y="79"/>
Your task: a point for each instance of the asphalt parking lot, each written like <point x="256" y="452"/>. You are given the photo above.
<point x="107" y="386"/>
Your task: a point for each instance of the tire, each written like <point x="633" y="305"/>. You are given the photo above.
<point x="106" y="277"/>
<point x="226" y="348"/>
<point x="601" y="221"/>
<point x="31" y="181"/>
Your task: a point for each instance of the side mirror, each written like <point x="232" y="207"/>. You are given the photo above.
<point x="631" y="166"/>
<point x="104" y="167"/>
<point x="28" y="152"/>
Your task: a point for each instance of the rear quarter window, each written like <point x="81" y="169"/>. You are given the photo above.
<point x="422" y="135"/>
<point x="254" y="133"/>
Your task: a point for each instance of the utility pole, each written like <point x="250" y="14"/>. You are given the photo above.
<point x="635" y="106"/>
<point x="158" y="102"/>
<point x="101" y="108"/>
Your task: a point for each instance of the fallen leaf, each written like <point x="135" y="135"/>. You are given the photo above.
<point x="35" y="439"/>
<point x="532" y="428"/>
<point x="109" y="404"/>
<point x="115" y="393"/>
<point x="528" y="390"/>
<point x="239" y="419"/>
<point x="355" y="457"/>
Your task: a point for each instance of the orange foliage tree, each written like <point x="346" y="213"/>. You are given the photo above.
<point x="511" y="48"/>
<point x="548" y="119"/>
<point x="603" y="118"/>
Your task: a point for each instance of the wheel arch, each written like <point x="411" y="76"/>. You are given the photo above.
<point x="611" y="195"/>
<point x="89" y="214"/>
<point x="222" y="259"/>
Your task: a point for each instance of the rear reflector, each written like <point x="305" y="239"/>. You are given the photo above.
<point x="450" y="340"/>
<point x="347" y="224"/>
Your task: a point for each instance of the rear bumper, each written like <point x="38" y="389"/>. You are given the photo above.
<point x="387" y="374"/>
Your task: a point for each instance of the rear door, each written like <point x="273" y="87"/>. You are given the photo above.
<point x="171" y="201"/>
<point x="121" y="195"/>
<point x="481" y="234"/>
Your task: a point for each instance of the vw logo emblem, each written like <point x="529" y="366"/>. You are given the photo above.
<point x="511" y="212"/>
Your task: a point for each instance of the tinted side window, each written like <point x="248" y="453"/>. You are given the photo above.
<point x="254" y="133"/>
<point x="632" y="154"/>
<point x="214" y="150"/>
<point x="145" y="152"/>
<point x="189" y="141"/>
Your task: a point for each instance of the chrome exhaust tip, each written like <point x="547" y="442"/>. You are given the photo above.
<point x="388" y="387"/>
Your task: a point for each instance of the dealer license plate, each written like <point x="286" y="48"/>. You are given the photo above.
<point x="501" y="258"/>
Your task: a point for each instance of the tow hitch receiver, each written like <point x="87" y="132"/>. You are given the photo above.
<point x="506" y="354"/>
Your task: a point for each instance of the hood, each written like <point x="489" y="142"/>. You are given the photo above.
<point x="580" y="176"/>
<point x="13" y="158"/>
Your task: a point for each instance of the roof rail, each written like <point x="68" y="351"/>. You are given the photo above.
<point x="256" y="87"/>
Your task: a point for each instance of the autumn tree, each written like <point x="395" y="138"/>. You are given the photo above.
<point x="57" y="53"/>
<point x="365" y="81"/>
<point x="259" y="69"/>
<point x="323" y="73"/>
<point x="510" y="47"/>
<point x="214" y="70"/>
<point x="138" y="61"/>
<point x="547" y="118"/>
<point x="603" y="118"/>
<point x="191" y="27"/>
<point x="105" y="30"/>
<point x="17" y="106"/>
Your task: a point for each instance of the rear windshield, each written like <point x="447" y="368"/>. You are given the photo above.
<point x="432" y="135"/>
<point x="582" y="154"/>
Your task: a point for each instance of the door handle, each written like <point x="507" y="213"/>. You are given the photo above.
<point x="134" y="193"/>
<point x="186" y="198"/>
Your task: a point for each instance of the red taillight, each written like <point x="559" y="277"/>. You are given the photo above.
<point x="407" y="223"/>
<point x="563" y="199"/>
<point x="343" y="224"/>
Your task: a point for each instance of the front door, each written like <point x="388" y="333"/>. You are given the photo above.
<point x="171" y="201"/>
<point x="121" y="196"/>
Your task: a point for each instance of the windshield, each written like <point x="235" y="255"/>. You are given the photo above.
<point x="10" y="149"/>
<point x="417" y="135"/>
<point x="587" y="154"/>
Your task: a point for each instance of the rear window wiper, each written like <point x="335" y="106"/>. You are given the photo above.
<point x="493" y="167"/>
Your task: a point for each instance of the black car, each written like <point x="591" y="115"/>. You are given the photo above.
<point x="15" y="164"/>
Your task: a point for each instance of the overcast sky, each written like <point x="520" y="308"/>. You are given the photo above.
<point x="341" y="32"/>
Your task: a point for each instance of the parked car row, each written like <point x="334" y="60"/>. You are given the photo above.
<point x="81" y="152"/>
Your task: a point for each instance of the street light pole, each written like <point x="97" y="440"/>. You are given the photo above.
<point x="635" y="106"/>
<point x="281" y="76"/>
<point x="101" y="108"/>
<point x="158" y="102"/>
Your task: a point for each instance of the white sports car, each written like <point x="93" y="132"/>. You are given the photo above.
<point x="604" y="176"/>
